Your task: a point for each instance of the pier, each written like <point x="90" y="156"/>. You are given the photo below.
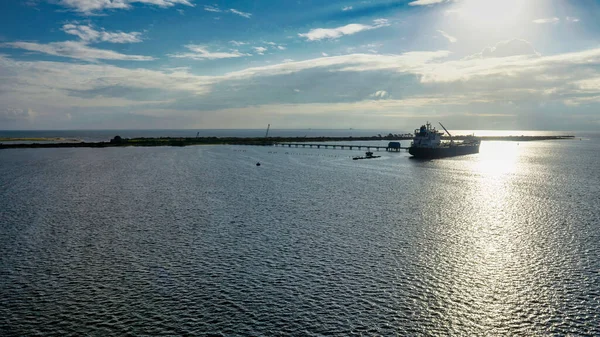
<point x="343" y="146"/>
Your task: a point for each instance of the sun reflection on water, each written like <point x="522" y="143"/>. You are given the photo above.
<point x="497" y="158"/>
<point x="495" y="250"/>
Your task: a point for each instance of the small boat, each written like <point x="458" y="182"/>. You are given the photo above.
<point x="368" y="155"/>
<point x="257" y="164"/>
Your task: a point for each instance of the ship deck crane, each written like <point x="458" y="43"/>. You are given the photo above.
<point x="451" y="141"/>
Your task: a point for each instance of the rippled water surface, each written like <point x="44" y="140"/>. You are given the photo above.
<point x="199" y="240"/>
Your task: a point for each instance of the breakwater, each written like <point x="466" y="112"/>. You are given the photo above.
<point x="262" y="141"/>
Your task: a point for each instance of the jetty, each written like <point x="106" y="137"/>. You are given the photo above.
<point x="388" y="147"/>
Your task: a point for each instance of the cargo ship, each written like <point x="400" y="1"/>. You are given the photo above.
<point x="427" y="143"/>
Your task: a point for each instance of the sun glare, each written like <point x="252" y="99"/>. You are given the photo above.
<point x="492" y="13"/>
<point x="498" y="158"/>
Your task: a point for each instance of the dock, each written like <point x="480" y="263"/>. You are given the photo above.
<point x="343" y="146"/>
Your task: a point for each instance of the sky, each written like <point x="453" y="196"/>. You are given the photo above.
<point x="363" y="64"/>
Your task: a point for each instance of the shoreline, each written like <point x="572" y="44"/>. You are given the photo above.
<point x="259" y="141"/>
<point x="38" y="139"/>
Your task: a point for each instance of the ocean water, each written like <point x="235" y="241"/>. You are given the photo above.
<point x="200" y="241"/>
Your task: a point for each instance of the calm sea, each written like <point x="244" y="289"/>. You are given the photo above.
<point x="200" y="241"/>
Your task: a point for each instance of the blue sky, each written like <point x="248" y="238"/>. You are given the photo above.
<point x="377" y="64"/>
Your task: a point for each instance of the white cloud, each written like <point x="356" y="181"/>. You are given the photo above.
<point x="89" y="34"/>
<point x="381" y="23"/>
<point x="216" y="9"/>
<point x="76" y="50"/>
<point x="514" y="47"/>
<point x="81" y="49"/>
<point x="281" y="47"/>
<point x="334" y="33"/>
<point x="409" y="62"/>
<point x="240" y="13"/>
<point x="213" y="9"/>
<point x="91" y="6"/>
<point x="85" y="33"/>
<point x="450" y="38"/>
<point x="347" y="8"/>
<point x="372" y="45"/>
<point x="546" y="20"/>
<point x="380" y="94"/>
<point x="202" y="53"/>
<point x="572" y="19"/>
<point x="238" y="43"/>
<point x="260" y="50"/>
<point x="425" y="2"/>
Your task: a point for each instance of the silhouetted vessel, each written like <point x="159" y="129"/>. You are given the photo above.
<point x="427" y="143"/>
<point x="368" y="155"/>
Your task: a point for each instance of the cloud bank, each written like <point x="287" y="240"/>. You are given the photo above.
<point x="402" y="85"/>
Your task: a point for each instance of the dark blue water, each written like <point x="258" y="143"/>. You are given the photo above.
<point x="199" y="240"/>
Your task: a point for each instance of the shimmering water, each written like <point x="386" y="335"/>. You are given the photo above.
<point x="198" y="240"/>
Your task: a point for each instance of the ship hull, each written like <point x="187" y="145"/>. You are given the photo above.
<point x="440" y="152"/>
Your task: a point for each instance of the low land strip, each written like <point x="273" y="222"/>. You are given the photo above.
<point x="9" y="143"/>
